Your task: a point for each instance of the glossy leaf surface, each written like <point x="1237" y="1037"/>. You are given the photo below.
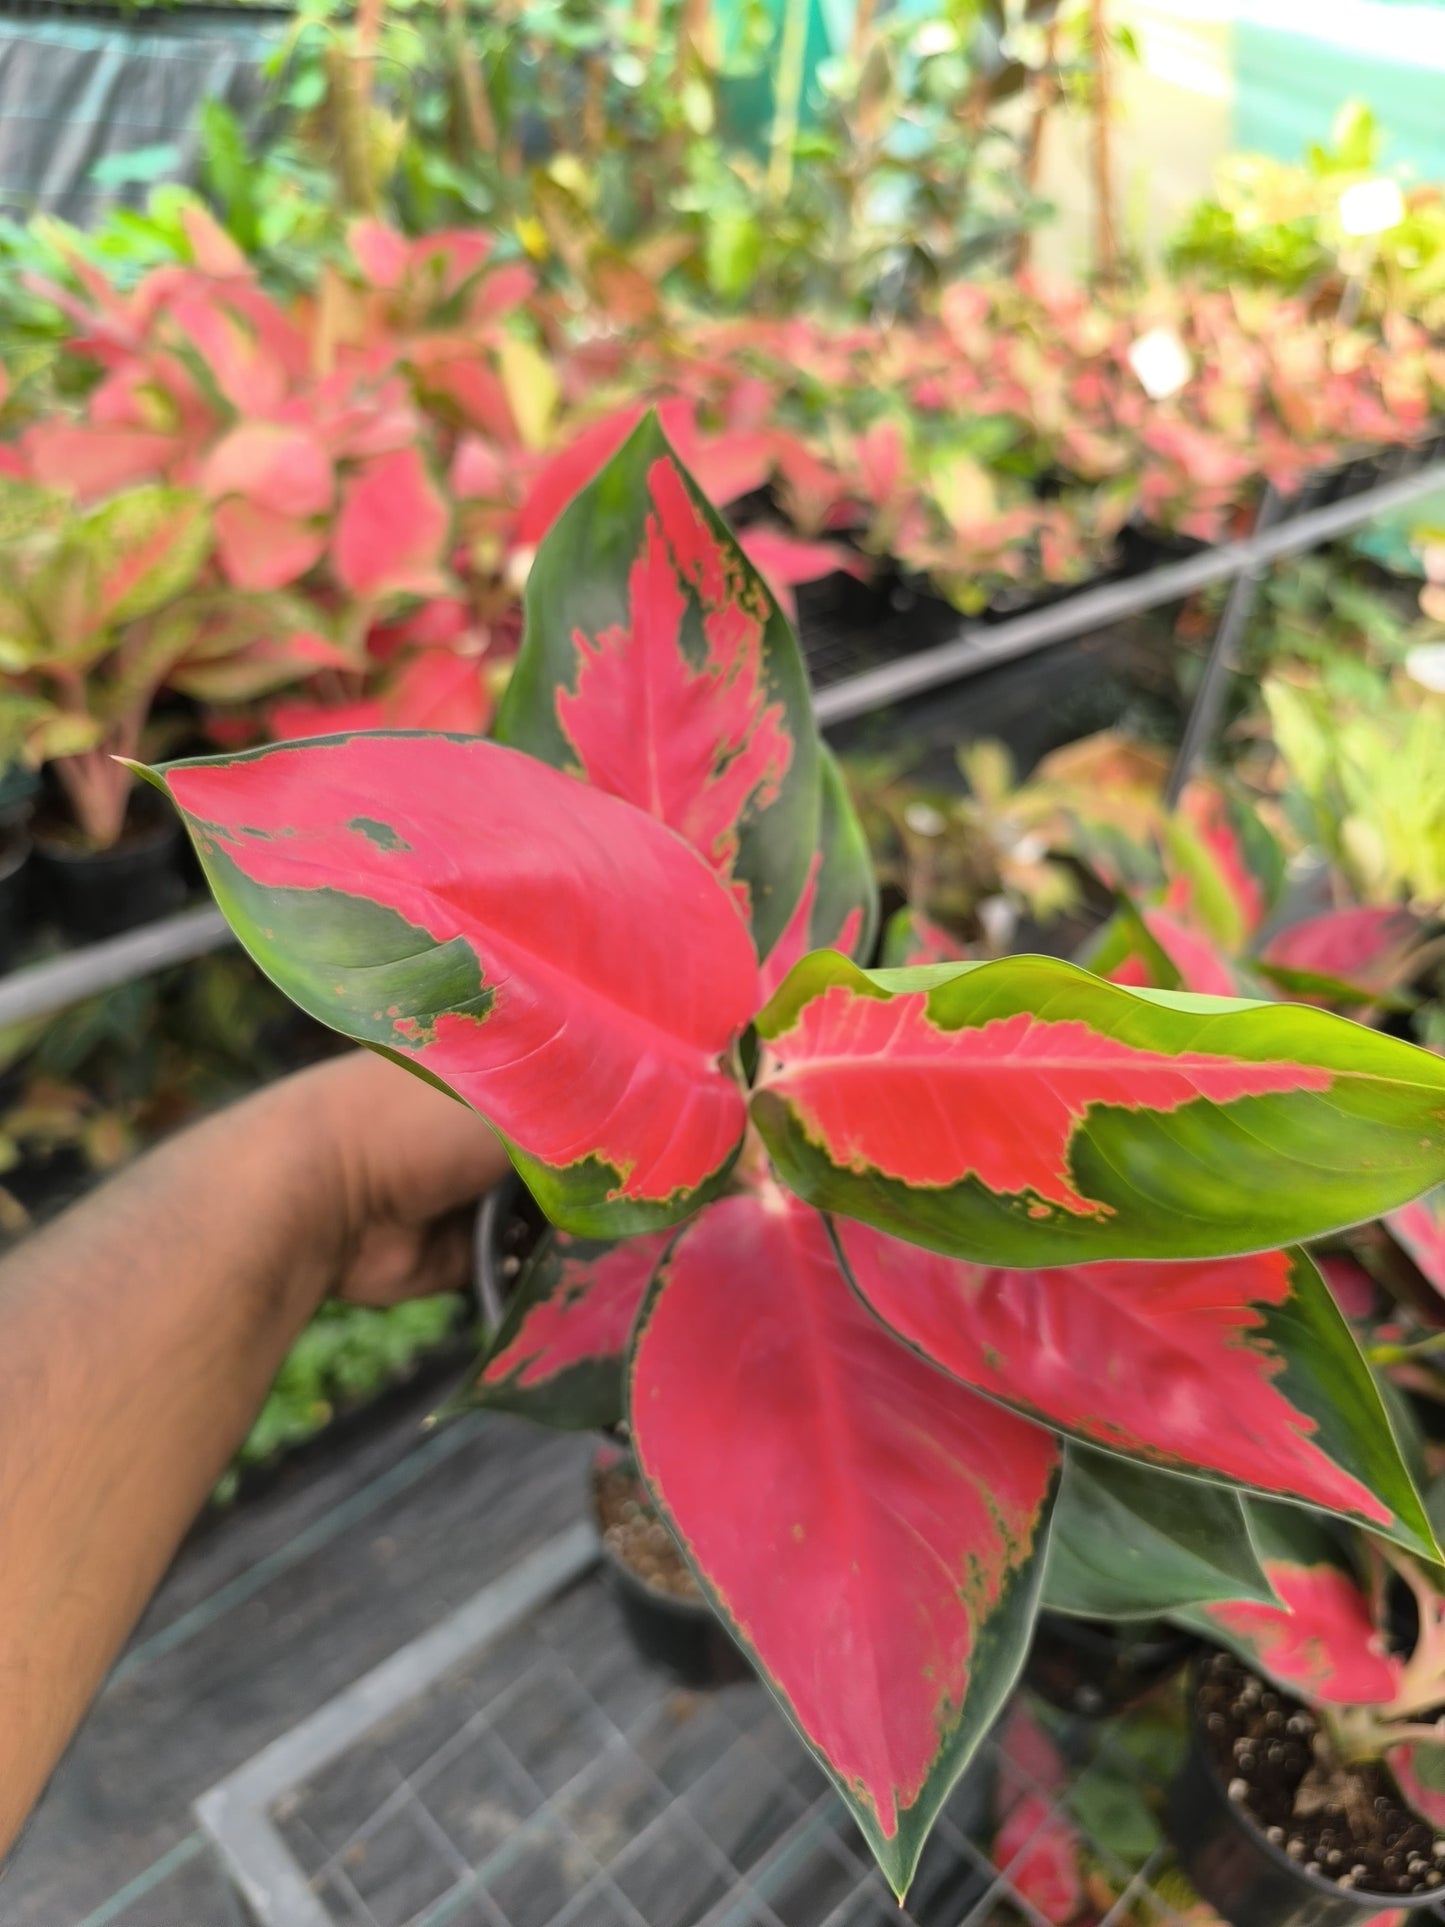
<point x="838" y="909"/>
<point x="1131" y="1541"/>
<point x="656" y="664"/>
<point x="1241" y="1368"/>
<point x="1322" y="1640"/>
<point x="1024" y="1112"/>
<point x="873" y="1532"/>
<point x="494" y="924"/>
<point x="559" y="1355"/>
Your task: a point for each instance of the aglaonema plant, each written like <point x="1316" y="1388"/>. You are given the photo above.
<point x="853" y="1249"/>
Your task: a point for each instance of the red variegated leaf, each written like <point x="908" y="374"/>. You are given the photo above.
<point x="391" y="535"/>
<point x="656" y="665"/>
<point x="1024" y="1112"/>
<point x="872" y="1531"/>
<point x="1364" y="949"/>
<point x="1420" y="1228"/>
<point x="1323" y="1641"/>
<point x="1240" y="1368"/>
<point x="1246" y="860"/>
<point x="838" y="909"/>
<point x="1200" y="965"/>
<point x="558" y="1356"/>
<point x="522" y="962"/>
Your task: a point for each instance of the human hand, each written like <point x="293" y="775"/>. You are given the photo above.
<point x="406" y="1164"/>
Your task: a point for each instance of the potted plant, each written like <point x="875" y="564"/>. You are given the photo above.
<point x="94" y="617"/>
<point x="842" y="1391"/>
<point x="1315" y="1778"/>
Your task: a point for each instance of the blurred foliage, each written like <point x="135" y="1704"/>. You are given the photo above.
<point x="1275" y="224"/>
<point x="345" y="1356"/>
<point x="614" y="146"/>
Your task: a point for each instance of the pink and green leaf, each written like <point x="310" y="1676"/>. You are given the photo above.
<point x="559" y="1355"/>
<point x="1252" y="1374"/>
<point x="838" y="909"/>
<point x="1322" y="1640"/>
<point x="1357" y="956"/>
<point x="656" y="665"/>
<point x="1025" y="1112"/>
<point x="493" y="924"/>
<point x="858" y="1518"/>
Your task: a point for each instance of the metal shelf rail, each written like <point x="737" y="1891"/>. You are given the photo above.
<point x="42" y="988"/>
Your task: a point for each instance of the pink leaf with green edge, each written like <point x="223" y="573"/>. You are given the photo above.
<point x="1364" y="950"/>
<point x="1200" y="965"/>
<point x="872" y="1531"/>
<point x="1323" y="1641"/>
<point x="656" y="665"/>
<point x="913" y="938"/>
<point x="525" y="967"/>
<point x="392" y="533"/>
<point x="1252" y="1374"/>
<point x="259" y="550"/>
<point x="1247" y="859"/>
<point x="1420" y="1228"/>
<point x="838" y="909"/>
<point x="283" y="470"/>
<point x="1419" y="1770"/>
<point x="1037" y="1848"/>
<point x="1024" y="1112"/>
<point x="559" y="1354"/>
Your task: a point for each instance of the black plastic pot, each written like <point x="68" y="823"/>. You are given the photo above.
<point x="1244" y="1876"/>
<point x="1095" y="1668"/>
<point x="503" y="1206"/>
<point x="15" y="868"/>
<point x="681" y="1637"/>
<point x="93" y="894"/>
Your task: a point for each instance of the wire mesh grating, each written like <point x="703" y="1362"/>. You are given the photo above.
<point x="556" y="1779"/>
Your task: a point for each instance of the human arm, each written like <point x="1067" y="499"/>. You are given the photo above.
<point x="140" y="1332"/>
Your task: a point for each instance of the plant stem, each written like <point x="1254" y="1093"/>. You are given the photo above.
<point x="789" y="99"/>
<point x="481" y="122"/>
<point x="1033" y="158"/>
<point x="1398" y="1354"/>
<point x="1106" y="249"/>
